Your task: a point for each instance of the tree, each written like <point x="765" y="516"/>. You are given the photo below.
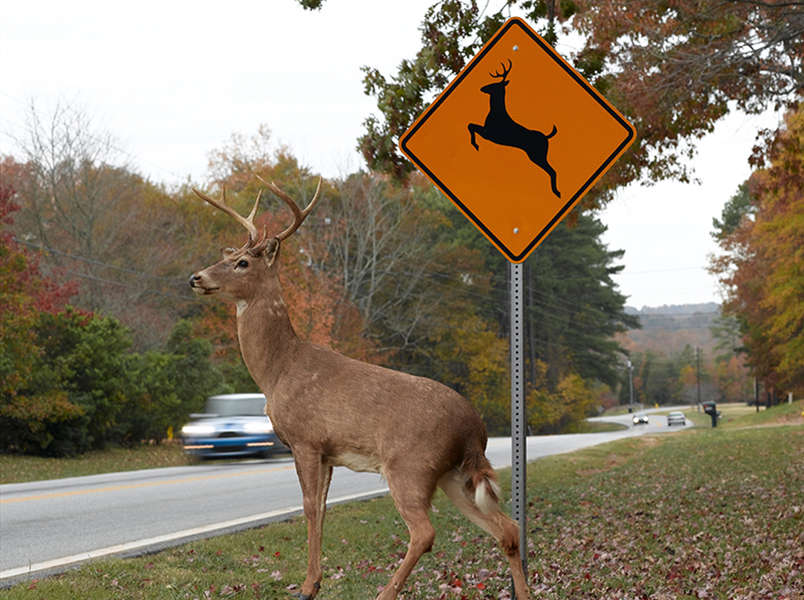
<point x="319" y="309"/>
<point x="672" y="69"/>
<point x="574" y="309"/>
<point x="72" y="184"/>
<point x="762" y="265"/>
<point x="33" y="410"/>
<point x="170" y="384"/>
<point x="736" y="209"/>
<point x="726" y="333"/>
<point x="93" y="216"/>
<point x="89" y="358"/>
<point x="383" y="244"/>
<point x="560" y="410"/>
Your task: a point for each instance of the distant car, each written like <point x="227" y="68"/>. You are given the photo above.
<point x="232" y="425"/>
<point x="641" y="419"/>
<point x="676" y="418"/>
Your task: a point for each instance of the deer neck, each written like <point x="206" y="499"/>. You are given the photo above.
<point x="497" y="102"/>
<point x="267" y="338"/>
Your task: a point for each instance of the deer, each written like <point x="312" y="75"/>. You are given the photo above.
<point x="334" y="411"/>
<point x="500" y="128"/>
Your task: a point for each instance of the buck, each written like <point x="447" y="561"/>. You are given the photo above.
<point x="500" y="128"/>
<point x="333" y="411"/>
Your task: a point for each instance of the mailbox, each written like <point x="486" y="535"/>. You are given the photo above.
<point x="710" y="408"/>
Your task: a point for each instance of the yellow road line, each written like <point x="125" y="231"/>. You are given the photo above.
<point x="118" y="488"/>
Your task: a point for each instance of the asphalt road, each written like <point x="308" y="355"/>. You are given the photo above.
<point x="47" y="526"/>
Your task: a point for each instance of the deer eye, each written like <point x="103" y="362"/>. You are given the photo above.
<point x="242" y="264"/>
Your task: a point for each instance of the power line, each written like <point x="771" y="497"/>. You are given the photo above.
<point x="97" y="262"/>
<point x="118" y="284"/>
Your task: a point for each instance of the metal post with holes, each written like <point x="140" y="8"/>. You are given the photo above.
<point x="518" y="440"/>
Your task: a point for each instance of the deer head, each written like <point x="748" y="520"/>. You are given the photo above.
<point x="243" y="271"/>
<point x="492" y="87"/>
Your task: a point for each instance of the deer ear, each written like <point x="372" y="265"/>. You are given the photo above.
<point x="271" y="252"/>
<point x="227" y="251"/>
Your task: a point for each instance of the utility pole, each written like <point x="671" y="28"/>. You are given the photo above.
<point x="698" y="372"/>
<point x="630" y="387"/>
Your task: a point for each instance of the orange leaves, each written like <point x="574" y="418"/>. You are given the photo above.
<point x="763" y="265"/>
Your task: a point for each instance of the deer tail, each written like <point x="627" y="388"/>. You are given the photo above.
<point x="481" y="484"/>
<point x="552" y="133"/>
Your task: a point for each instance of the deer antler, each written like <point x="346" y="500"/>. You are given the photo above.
<point x="299" y="214"/>
<point x="247" y="222"/>
<point x="505" y="72"/>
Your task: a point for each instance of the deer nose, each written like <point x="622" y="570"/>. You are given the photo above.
<point x="195" y="277"/>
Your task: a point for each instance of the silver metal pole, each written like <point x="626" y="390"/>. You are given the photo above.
<point x="518" y="441"/>
<point x="630" y="387"/>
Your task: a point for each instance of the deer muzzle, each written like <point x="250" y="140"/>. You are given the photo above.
<point x="196" y="282"/>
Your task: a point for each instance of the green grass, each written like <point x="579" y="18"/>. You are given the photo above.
<point x="15" y="468"/>
<point x="595" y="427"/>
<point x="704" y="513"/>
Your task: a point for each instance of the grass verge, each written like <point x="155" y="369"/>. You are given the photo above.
<point x="15" y="468"/>
<point x="704" y="513"/>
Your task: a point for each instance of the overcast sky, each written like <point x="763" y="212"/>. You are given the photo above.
<point x="173" y="80"/>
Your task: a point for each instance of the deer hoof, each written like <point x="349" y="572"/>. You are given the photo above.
<point x="301" y="596"/>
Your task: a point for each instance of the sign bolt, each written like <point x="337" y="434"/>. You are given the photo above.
<point x="516" y="229"/>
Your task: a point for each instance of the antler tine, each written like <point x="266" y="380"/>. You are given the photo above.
<point x="222" y="204"/>
<point x="505" y="72"/>
<point x="298" y="214"/>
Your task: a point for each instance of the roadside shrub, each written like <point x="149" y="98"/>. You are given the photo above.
<point x="86" y="390"/>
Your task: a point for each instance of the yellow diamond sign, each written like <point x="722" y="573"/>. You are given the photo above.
<point x="517" y="139"/>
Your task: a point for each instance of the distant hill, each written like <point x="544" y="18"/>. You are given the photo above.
<point x="667" y="329"/>
<point x="675" y="309"/>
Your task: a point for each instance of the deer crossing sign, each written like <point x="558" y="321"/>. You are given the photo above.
<point x="517" y="139"/>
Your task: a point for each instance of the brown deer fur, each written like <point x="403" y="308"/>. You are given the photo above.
<point x="331" y="411"/>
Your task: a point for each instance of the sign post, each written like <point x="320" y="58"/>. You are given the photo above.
<point x="515" y="141"/>
<point x="518" y="424"/>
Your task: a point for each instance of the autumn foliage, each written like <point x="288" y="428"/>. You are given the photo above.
<point x="25" y="295"/>
<point x="674" y="69"/>
<point x="762" y="265"/>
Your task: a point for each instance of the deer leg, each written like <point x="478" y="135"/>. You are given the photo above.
<point x="551" y="172"/>
<point x="314" y="477"/>
<point x="540" y="160"/>
<point x="473" y="129"/>
<point x="413" y="504"/>
<point x="504" y="529"/>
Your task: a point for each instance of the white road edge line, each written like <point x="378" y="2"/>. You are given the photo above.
<point x="161" y="539"/>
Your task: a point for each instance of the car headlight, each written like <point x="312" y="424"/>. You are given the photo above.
<point x="197" y="429"/>
<point x="255" y="427"/>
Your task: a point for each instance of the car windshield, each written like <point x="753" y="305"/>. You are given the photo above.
<point x="236" y="407"/>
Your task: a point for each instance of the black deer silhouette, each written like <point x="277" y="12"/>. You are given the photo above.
<point x="501" y="129"/>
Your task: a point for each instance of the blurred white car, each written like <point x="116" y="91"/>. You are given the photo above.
<point x="232" y="425"/>
<point x="676" y="418"/>
<point x="641" y="419"/>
